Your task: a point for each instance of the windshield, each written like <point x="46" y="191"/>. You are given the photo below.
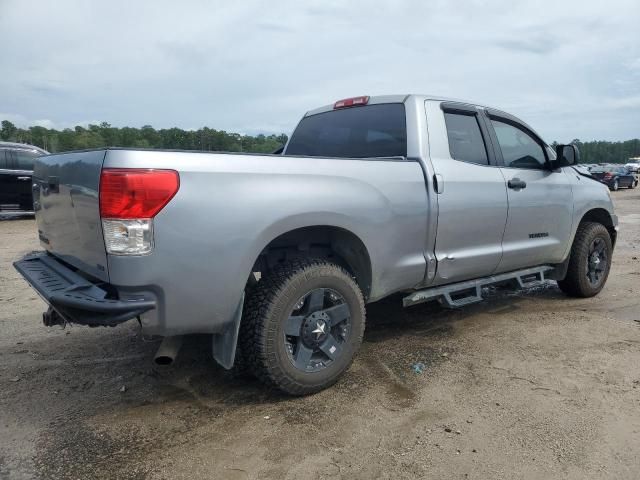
<point x="357" y="132"/>
<point x="603" y="169"/>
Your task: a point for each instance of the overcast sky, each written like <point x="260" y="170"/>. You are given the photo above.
<point x="570" y="68"/>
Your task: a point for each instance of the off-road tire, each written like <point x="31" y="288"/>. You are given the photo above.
<point x="269" y="304"/>
<point x="576" y="284"/>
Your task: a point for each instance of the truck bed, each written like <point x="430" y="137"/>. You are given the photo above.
<point x="228" y="209"/>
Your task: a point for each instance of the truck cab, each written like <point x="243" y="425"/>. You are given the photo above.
<point x="498" y="200"/>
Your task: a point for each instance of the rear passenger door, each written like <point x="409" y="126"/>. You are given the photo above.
<point x="540" y="200"/>
<point x="8" y="182"/>
<point x="471" y="193"/>
<point x="23" y="163"/>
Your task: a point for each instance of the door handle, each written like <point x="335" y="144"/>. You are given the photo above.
<point x="517" y="184"/>
<point x="438" y="183"/>
<point x="24" y="178"/>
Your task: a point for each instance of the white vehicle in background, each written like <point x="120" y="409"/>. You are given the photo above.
<point x="634" y="165"/>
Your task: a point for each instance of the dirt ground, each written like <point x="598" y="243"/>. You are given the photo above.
<point x="523" y="385"/>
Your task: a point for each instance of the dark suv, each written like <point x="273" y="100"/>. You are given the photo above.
<point x="16" y="169"/>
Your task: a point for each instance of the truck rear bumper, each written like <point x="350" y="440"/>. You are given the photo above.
<point x="76" y="299"/>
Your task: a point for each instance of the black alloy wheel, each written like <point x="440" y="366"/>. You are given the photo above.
<point x="316" y="329"/>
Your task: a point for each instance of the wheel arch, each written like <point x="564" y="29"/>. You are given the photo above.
<point x="602" y="216"/>
<point x="320" y="241"/>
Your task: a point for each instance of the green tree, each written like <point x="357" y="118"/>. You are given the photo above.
<point x="8" y="130"/>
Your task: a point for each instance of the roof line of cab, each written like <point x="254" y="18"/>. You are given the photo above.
<point x="401" y="98"/>
<point x="378" y="99"/>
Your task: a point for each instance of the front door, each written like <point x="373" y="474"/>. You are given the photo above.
<point x="471" y="194"/>
<point x="539" y="222"/>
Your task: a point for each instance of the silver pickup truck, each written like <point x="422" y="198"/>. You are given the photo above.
<point x="277" y="255"/>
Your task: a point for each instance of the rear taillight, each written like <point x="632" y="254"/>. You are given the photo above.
<point x="129" y="199"/>
<point x="136" y="193"/>
<point x="608" y="175"/>
<point x="351" y="102"/>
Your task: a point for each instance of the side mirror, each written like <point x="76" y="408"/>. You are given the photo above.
<point x="566" y="155"/>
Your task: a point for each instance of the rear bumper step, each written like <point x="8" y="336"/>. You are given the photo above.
<point x="466" y="293"/>
<point x="73" y="297"/>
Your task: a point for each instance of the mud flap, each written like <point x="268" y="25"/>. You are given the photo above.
<point x="559" y="271"/>
<point x="224" y="343"/>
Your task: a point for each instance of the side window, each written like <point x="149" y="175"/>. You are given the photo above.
<point x="465" y="138"/>
<point x="519" y="149"/>
<point x="4" y="161"/>
<point x="24" y="159"/>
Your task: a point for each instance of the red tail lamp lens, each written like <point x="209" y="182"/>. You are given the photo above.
<point x="136" y="193"/>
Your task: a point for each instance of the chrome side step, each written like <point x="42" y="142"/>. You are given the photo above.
<point x="465" y="293"/>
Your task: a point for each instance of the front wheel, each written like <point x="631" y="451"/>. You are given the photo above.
<point x="590" y="261"/>
<point x="302" y="325"/>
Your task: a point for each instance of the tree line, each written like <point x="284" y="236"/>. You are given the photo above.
<point x="601" y="151"/>
<point x="104" y="135"/>
<point x="208" y="139"/>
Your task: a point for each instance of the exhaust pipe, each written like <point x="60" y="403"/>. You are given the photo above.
<point x="168" y="350"/>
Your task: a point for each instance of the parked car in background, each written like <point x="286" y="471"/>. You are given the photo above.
<point x="16" y="170"/>
<point x="615" y="176"/>
<point x="633" y="165"/>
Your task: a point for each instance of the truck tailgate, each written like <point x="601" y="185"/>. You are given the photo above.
<point x="65" y="194"/>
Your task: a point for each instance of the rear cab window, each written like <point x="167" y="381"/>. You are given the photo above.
<point x="378" y="130"/>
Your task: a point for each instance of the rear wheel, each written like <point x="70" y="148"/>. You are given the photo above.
<point x="303" y="323"/>
<point x="616" y="185"/>
<point x="590" y="261"/>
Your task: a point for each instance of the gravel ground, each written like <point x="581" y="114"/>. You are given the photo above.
<point x="524" y="385"/>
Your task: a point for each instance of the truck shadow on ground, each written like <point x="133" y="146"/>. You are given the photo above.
<point x="124" y="360"/>
<point x="421" y="335"/>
